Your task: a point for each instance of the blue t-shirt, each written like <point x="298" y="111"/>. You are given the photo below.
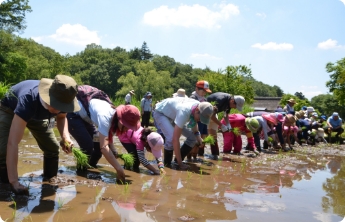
<point x="303" y="123"/>
<point x="335" y="123"/>
<point x="23" y="98"/>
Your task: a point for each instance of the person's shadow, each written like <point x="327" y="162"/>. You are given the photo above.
<point x="46" y="205"/>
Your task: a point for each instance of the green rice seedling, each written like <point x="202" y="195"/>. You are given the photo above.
<point x="60" y="202"/>
<point x="128" y="159"/>
<point x="189" y="175"/>
<point x="4" y="88"/>
<point x="81" y="158"/>
<point x="209" y="139"/>
<point x="213" y="103"/>
<point x="14" y="213"/>
<point x="270" y="139"/>
<point x="236" y="131"/>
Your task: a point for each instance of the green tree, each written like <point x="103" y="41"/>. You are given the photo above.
<point x="236" y="80"/>
<point x="300" y="95"/>
<point x="327" y="104"/>
<point x="336" y="84"/>
<point x="12" y="15"/>
<point x="278" y="90"/>
<point x="145" y="52"/>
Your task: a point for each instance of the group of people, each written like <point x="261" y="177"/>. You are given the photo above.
<point x="37" y="104"/>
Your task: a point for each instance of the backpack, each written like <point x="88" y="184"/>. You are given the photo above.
<point x="86" y="93"/>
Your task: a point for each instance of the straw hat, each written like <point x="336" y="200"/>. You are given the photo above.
<point x="291" y="100"/>
<point x="132" y="92"/>
<point x="180" y="93"/>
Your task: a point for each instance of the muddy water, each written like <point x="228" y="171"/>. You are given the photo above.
<point x="306" y="185"/>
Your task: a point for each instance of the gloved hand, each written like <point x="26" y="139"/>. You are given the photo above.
<point x="229" y="126"/>
<point x="224" y="128"/>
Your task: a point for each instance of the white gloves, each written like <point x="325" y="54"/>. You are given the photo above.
<point x="229" y="126"/>
<point x="224" y="128"/>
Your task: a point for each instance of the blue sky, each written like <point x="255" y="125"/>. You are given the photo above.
<point x="286" y="42"/>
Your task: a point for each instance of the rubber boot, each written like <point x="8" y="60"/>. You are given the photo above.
<point x="185" y="150"/>
<point x="3" y="174"/>
<point x="168" y="156"/>
<point x="50" y="167"/>
<point x="215" y="148"/>
<point x="201" y="151"/>
<point x="93" y="160"/>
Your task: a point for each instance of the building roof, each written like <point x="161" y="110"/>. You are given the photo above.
<point x="268" y="104"/>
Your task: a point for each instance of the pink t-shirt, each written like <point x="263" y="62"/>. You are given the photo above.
<point x="133" y="137"/>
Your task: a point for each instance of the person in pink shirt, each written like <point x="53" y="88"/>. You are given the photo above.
<point x="232" y="140"/>
<point x="135" y="142"/>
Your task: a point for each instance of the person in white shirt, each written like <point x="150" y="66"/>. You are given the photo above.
<point x="109" y="121"/>
<point x="179" y="115"/>
<point x="128" y="97"/>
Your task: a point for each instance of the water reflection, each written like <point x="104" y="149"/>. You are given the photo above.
<point x="334" y="200"/>
<point x="232" y="188"/>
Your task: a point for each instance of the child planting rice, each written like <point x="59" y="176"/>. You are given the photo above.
<point x="135" y="142"/>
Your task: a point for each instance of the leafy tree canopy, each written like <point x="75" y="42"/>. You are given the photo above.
<point x="336" y="84"/>
<point x="12" y="15"/>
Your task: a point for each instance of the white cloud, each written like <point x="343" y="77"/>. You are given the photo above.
<point x="329" y="44"/>
<point x="76" y="35"/>
<point x="273" y="46"/>
<point x="263" y="15"/>
<point x="343" y="1"/>
<point x="190" y="16"/>
<point x="204" y="56"/>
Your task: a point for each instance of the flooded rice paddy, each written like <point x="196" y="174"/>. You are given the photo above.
<point x="306" y="185"/>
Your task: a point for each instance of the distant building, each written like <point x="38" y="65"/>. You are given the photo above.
<point x="268" y="104"/>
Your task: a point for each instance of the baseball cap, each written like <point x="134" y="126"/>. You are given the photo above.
<point x="204" y="85"/>
<point x="156" y="143"/>
<point x="129" y="116"/>
<point x="206" y="111"/>
<point x="239" y="102"/>
<point x="323" y="117"/>
<point x="280" y="117"/>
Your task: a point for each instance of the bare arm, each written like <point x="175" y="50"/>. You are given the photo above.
<point x="109" y="156"/>
<point x="16" y="134"/>
<point x="214" y="119"/>
<point x="62" y="126"/>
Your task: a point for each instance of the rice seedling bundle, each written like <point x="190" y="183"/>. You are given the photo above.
<point x="127" y="158"/>
<point x="236" y="131"/>
<point x="209" y="139"/>
<point x="270" y="139"/>
<point x="81" y="159"/>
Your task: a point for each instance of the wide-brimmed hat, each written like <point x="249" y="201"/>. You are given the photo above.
<point x="206" y="111"/>
<point x="291" y="100"/>
<point x="315" y="114"/>
<point x="300" y="114"/>
<point x="280" y="117"/>
<point x="204" y="85"/>
<point x="310" y="109"/>
<point x="252" y="124"/>
<point x="335" y="114"/>
<point x="180" y="93"/>
<point x="156" y="143"/>
<point x="129" y="116"/>
<point x="271" y="117"/>
<point x="239" y="100"/>
<point x="290" y="118"/>
<point x="59" y="93"/>
<point x="132" y="92"/>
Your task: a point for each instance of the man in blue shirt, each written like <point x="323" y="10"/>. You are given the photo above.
<point x="334" y="124"/>
<point x="146" y="108"/>
<point x="35" y="104"/>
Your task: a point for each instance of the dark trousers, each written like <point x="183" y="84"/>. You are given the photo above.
<point x="257" y="140"/>
<point x="145" y="120"/>
<point x="83" y="132"/>
<point x="279" y="130"/>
